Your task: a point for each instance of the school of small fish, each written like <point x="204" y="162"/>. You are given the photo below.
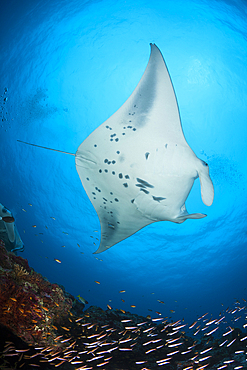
<point x="89" y="343"/>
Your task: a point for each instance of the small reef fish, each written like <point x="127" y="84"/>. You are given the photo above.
<point x="97" y="282"/>
<point x="82" y="300"/>
<point x="58" y="261"/>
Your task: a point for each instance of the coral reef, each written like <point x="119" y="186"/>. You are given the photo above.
<point x="43" y="326"/>
<point x="30" y="306"/>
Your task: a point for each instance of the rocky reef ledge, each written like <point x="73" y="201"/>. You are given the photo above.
<point x="42" y="326"/>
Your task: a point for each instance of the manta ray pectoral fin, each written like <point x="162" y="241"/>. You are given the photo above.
<point x="207" y="188"/>
<point x="101" y="249"/>
<point x="114" y="231"/>
<point x="194" y="216"/>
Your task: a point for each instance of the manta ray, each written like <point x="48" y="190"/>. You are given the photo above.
<point x="137" y="167"/>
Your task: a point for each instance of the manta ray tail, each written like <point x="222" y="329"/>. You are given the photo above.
<point x="44" y="147"/>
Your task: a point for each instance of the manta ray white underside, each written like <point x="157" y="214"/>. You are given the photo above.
<point x="137" y="167"/>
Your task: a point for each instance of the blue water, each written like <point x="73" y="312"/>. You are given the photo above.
<point x="68" y="66"/>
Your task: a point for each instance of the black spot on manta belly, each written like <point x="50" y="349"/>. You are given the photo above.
<point x="144" y="190"/>
<point x="158" y="199"/>
<point x="144" y="183"/>
<point x="125" y="185"/>
<point x="146" y="155"/>
<point x="120" y="175"/>
<point x="127" y="176"/>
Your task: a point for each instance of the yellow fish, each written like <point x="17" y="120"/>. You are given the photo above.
<point x="82" y="300"/>
<point x="58" y="261"/>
